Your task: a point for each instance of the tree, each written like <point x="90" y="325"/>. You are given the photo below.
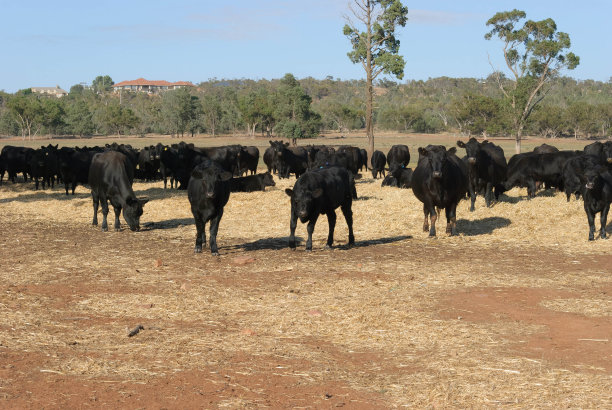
<point x="376" y="48"/>
<point x="535" y="54"/>
<point x="293" y="114"/>
<point x="27" y="111"/>
<point x="102" y="84"/>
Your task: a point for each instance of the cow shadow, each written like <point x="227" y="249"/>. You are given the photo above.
<point x="378" y="241"/>
<point x="160" y="192"/>
<point x="267" y="244"/>
<point x="45" y="195"/>
<point x="167" y="224"/>
<point x="481" y="226"/>
<point x="546" y="193"/>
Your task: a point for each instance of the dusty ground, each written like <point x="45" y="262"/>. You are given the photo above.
<point x="514" y="311"/>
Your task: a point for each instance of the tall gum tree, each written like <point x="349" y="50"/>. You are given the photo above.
<point x="535" y="54"/>
<point x="375" y="46"/>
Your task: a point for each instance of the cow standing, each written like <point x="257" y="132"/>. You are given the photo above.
<point x="486" y="166"/>
<point x="398" y="156"/>
<point x="110" y="176"/>
<point x="439" y="180"/>
<point x="597" y="193"/>
<point x="319" y="192"/>
<point x="208" y="192"/>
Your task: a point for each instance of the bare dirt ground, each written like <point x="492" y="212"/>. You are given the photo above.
<point x="515" y="311"/>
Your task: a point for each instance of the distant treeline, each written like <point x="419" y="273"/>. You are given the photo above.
<point x="290" y="108"/>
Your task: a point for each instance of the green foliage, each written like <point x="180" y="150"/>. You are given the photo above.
<point x="102" y="84"/>
<point x="293" y="115"/>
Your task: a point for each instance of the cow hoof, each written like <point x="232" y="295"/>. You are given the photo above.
<point x="328" y="247"/>
<point x="214" y="253"/>
<point x="104" y="229"/>
<point x="198" y="249"/>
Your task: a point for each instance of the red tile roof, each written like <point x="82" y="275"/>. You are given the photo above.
<point x="142" y="81"/>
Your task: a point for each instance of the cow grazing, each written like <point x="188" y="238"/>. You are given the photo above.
<point x="597" y="193"/>
<point x="110" y="177"/>
<point x="486" y="166"/>
<point x="208" y="192"/>
<point x="399" y="178"/>
<point x="527" y="168"/>
<point x="439" y="180"/>
<point x="398" y="155"/>
<point x="251" y="183"/>
<point x="319" y="192"/>
<point x="378" y="164"/>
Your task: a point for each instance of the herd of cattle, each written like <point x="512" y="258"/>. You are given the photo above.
<point x="325" y="178"/>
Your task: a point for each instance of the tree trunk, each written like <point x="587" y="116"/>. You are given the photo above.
<point x="517" y="143"/>
<point x="369" y="91"/>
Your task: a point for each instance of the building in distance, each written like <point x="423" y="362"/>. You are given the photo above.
<point x="54" y="91"/>
<point x="151" y="87"/>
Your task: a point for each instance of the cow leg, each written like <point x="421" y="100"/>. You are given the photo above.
<point x="292" y="226"/>
<point x="426" y="221"/>
<point x="489" y="194"/>
<point x="472" y="189"/>
<point x="331" y="220"/>
<point x="603" y="220"/>
<point x="451" y="220"/>
<point x="591" y="219"/>
<point x="531" y="189"/>
<point x="310" y="228"/>
<point x="117" y="210"/>
<point x="104" y="204"/>
<point x="214" y="228"/>
<point x="200" y="234"/>
<point x="433" y="216"/>
<point x="73" y="186"/>
<point x="96" y="201"/>
<point x="348" y="215"/>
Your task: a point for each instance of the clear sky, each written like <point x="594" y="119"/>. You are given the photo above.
<point x="60" y="42"/>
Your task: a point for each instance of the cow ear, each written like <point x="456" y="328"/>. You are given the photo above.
<point x="453" y="150"/>
<point x="271" y="143"/>
<point x="225" y="176"/>
<point x="423" y="151"/>
<point x="286" y="144"/>
<point x="317" y="193"/>
<point x="461" y="144"/>
<point x="289" y="192"/>
<point x="197" y="173"/>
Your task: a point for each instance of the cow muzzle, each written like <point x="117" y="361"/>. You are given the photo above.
<point x="210" y="195"/>
<point x="302" y="214"/>
<point x="589" y="185"/>
<point x="437" y="174"/>
<point x="471" y="160"/>
<point x="609" y="160"/>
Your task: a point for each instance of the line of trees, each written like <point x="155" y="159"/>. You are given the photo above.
<point x="292" y="108"/>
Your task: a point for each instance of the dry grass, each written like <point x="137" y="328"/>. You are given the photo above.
<point x="367" y="316"/>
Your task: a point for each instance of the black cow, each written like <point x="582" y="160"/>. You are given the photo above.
<point x="110" y="177"/>
<point x="545" y="149"/>
<point x="487" y="167"/>
<point x="251" y="183"/>
<point x="597" y="193"/>
<point x="527" y="168"/>
<point x="353" y="154"/>
<point x="290" y="159"/>
<point x="248" y="158"/>
<point x="269" y="158"/>
<point x="378" y="164"/>
<point x="148" y="163"/>
<point x="208" y="192"/>
<point x="439" y="180"/>
<point x="399" y="178"/>
<point x="573" y="173"/>
<point x="364" y="159"/>
<point x="225" y="156"/>
<point x="319" y="192"/>
<point x="398" y="155"/>
<point x="74" y="166"/>
<point x="16" y="160"/>
<point x="603" y="151"/>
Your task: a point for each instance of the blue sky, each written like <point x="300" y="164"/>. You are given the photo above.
<point x="48" y="43"/>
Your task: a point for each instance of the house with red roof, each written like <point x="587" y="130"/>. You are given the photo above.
<point x="151" y="87"/>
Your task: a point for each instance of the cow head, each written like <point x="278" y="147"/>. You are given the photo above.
<point x="211" y="176"/>
<point x="268" y="180"/>
<point x="607" y="150"/>
<point x="303" y="202"/>
<point x="435" y="157"/>
<point x="472" y="149"/>
<point x="132" y="211"/>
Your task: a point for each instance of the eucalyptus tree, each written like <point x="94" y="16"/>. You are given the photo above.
<point x="535" y="53"/>
<point x="375" y="46"/>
